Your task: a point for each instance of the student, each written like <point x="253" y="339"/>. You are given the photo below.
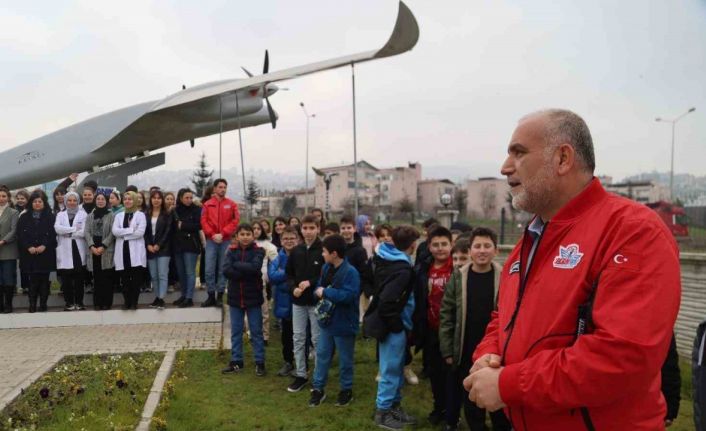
<point x="283" y="297"/>
<point x="130" y="255"/>
<point x="8" y="250"/>
<point x="356" y="255"/>
<point x="88" y="203"/>
<point x="71" y="251"/>
<point x="423" y="249"/>
<point x="21" y="200"/>
<point x="101" y="249"/>
<point x="187" y="245"/>
<point x="331" y="229"/>
<point x="383" y="233"/>
<point x="319" y="214"/>
<point x="389" y="320"/>
<point x="432" y="273"/>
<point x="364" y="228"/>
<point x="267" y="228"/>
<point x="158" y="240"/>
<point x="278" y="227"/>
<point x="294" y="221"/>
<point x="303" y="272"/>
<point x="116" y="202"/>
<point x="243" y="269"/>
<point x="339" y="287"/>
<point x="461" y="253"/>
<point x="264" y="243"/>
<point x="469" y="299"/>
<point x="219" y="220"/>
<point x="36" y="240"/>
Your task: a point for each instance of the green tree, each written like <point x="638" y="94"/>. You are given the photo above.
<point x="289" y="204"/>
<point x="253" y="195"/>
<point x="461" y="200"/>
<point x="406" y="206"/>
<point x="202" y="177"/>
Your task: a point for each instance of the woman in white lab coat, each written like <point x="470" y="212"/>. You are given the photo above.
<point x="130" y="253"/>
<point x="71" y="251"/>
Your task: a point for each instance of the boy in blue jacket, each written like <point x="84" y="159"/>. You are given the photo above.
<point x="243" y="269"/>
<point x="283" y="297"/>
<point x="340" y="286"/>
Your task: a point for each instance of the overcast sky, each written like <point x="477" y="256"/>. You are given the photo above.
<point x="453" y="100"/>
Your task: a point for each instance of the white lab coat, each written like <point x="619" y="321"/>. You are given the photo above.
<point x="65" y="234"/>
<point x="134" y="234"/>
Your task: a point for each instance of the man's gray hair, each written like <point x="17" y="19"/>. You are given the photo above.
<point x="564" y="126"/>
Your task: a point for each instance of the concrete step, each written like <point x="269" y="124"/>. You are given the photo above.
<point x="21" y="301"/>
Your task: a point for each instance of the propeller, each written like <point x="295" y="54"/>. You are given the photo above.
<point x="265" y="70"/>
<point x="191" y="141"/>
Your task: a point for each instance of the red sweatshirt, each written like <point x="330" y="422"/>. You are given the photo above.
<point x="614" y="369"/>
<point x="438" y="277"/>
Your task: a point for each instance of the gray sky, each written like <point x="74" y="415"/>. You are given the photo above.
<point x="453" y="100"/>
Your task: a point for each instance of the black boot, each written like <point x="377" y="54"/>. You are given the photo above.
<point x="2" y="300"/>
<point x="9" y="292"/>
<point x="219" y="299"/>
<point x="211" y="301"/>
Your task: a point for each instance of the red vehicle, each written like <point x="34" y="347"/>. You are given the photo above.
<point x="674" y="216"/>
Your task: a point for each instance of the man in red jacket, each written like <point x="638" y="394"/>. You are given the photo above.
<point x="219" y="220"/>
<point x="588" y="297"/>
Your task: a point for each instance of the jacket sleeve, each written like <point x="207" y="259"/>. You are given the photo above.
<point x="205" y="225"/>
<point x="139" y="229"/>
<point x="108" y="238"/>
<point x="229" y="271"/>
<point x="447" y="316"/>
<point x="65" y="184"/>
<point x="634" y="312"/>
<point x="252" y="267"/>
<point x="390" y="296"/>
<point x="192" y="222"/>
<point x="12" y="233"/>
<point x="290" y="271"/>
<point x="80" y="226"/>
<point x="118" y="230"/>
<point x="491" y="341"/>
<point x="671" y="381"/>
<point x="230" y="228"/>
<point x="88" y="231"/>
<point x="347" y="292"/>
<point x="365" y="270"/>
<point x="167" y="233"/>
<point x="276" y="273"/>
<point x="61" y="229"/>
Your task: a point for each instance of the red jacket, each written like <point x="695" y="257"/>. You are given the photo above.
<point x="614" y="369"/>
<point x="219" y="216"/>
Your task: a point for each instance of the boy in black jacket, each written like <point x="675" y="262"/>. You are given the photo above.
<point x="243" y="269"/>
<point x="389" y="319"/>
<point x="303" y="271"/>
<point x="357" y="256"/>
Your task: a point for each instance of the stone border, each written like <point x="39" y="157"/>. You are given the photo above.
<point x="156" y="392"/>
<point x="36" y="374"/>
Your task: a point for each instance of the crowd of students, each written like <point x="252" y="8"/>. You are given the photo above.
<point x="325" y="281"/>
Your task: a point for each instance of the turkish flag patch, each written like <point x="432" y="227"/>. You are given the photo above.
<point x="625" y="259"/>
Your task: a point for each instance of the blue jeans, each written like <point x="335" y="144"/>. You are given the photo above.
<point x="186" y="268"/>
<point x="159" y="272"/>
<point x="392" y="354"/>
<point x="215" y="258"/>
<point x="324" y="353"/>
<point x="8" y="272"/>
<point x="301" y="317"/>
<point x="237" y="318"/>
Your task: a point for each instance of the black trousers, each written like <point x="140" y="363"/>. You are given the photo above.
<point x="456" y="396"/>
<point x="38" y="288"/>
<point x="434" y="364"/>
<point x="102" y="285"/>
<point x="132" y="279"/>
<point x="73" y="281"/>
<point x="287" y="341"/>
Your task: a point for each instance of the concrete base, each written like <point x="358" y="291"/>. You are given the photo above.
<point x="21" y="301"/>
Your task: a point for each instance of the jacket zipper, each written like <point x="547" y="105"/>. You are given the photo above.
<point x="242" y="297"/>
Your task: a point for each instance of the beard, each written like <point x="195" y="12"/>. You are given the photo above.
<point x="535" y="193"/>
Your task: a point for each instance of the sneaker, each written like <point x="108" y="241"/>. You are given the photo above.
<point x="377" y="378"/>
<point x="179" y="301"/>
<point x="187" y="303"/>
<point x="155" y="303"/>
<point x="298" y="384"/>
<point x="436" y="416"/>
<point x="210" y="302"/>
<point x="69" y="307"/>
<point x="385" y="419"/>
<point x="317" y="397"/>
<point x="260" y="370"/>
<point x="79" y="307"/>
<point x="344" y="398"/>
<point x="286" y="370"/>
<point x="232" y="368"/>
<point x="161" y="304"/>
<point x="402" y="415"/>
<point x="410" y="377"/>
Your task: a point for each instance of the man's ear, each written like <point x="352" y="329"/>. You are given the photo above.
<point x="567" y="159"/>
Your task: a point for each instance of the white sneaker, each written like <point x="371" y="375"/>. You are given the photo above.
<point x="410" y="377"/>
<point x="377" y="378"/>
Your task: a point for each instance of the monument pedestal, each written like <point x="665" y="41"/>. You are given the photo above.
<point x="447" y="217"/>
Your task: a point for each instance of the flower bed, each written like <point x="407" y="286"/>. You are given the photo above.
<point x="92" y="392"/>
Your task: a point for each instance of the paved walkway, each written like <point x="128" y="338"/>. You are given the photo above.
<point x="25" y="354"/>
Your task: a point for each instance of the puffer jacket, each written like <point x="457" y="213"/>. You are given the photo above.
<point x="280" y="289"/>
<point x="343" y="292"/>
<point x="243" y="269"/>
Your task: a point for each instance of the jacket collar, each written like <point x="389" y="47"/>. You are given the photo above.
<point x="591" y="195"/>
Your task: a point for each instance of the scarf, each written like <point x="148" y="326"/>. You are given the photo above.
<point x="98" y="213"/>
<point x="36" y="214"/>
<point x="71" y="211"/>
<point x="89" y="207"/>
<point x="117" y="209"/>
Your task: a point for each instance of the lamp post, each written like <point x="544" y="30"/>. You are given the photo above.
<point x="306" y="168"/>
<point x="671" y="170"/>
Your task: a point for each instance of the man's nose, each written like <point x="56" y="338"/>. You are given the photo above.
<point x="507" y="167"/>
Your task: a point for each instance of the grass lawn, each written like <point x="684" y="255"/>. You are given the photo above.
<point x="90" y="392"/>
<point x="199" y="397"/>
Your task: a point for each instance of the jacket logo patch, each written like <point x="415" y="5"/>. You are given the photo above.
<point x="569" y="257"/>
<point x="515" y="267"/>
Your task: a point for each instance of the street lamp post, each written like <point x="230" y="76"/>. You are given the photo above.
<point x="306" y="168"/>
<point x="671" y="170"/>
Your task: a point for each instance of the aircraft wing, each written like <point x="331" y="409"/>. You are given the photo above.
<point x="403" y="38"/>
